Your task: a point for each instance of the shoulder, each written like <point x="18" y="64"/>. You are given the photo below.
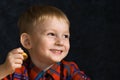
<point x="70" y="64"/>
<point x="73" y="70"/>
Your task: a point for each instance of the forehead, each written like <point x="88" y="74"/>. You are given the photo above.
<point x="52" y="23"/>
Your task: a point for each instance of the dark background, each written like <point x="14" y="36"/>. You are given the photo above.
<point x="95" y="35"/>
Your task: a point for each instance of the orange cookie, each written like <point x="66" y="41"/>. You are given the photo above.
<point x="24" y="55"/>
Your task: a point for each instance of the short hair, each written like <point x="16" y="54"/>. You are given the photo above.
<point x="39" y="13"/>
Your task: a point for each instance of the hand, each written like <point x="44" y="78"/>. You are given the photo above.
<point x="14" y="60"/>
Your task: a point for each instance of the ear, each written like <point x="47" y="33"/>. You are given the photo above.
<point x="26" y="40"/>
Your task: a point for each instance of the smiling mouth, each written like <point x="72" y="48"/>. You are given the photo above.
<point x="55" y="51"/>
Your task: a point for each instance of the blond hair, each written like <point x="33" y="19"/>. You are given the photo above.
<point x="37" y="14"/>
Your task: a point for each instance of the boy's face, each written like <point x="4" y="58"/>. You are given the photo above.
<point x="50" y="41"/>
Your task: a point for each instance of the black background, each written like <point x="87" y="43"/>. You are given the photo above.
<point x="95" y="33"/>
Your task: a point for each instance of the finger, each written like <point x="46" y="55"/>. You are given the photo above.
<point x="19" y="50"/>
<point x="13" y="66"/>
<point x="17" y="66"/>
<point x="15" y="51"/>
<point x="25" y="56"/>
<point x="18" y="61"/>
<point x="18" y="56"/>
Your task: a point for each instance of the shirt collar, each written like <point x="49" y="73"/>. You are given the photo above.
<point x="54" y="71"/>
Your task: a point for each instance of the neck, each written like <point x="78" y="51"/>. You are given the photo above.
<point x="42" y="65"/>
<point x="48" y="67"/>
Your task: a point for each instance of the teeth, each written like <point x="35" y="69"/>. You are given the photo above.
<point x="56" y="51"/>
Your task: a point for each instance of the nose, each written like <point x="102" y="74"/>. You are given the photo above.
<point x="59" y="42"/>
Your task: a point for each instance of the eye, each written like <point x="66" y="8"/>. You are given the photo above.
<point x="51" y="34"/>
<point x="66" y="36"/>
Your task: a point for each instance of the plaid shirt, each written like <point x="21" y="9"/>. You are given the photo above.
<point x="60" y="71"/>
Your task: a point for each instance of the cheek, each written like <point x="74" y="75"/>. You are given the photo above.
<point x="36" y="43"/>
<point x="42" y="44"/>
<point x="39" y="47"/>
<point x="68" y="46"/>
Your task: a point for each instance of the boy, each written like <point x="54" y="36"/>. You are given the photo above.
<point x="44" y="32"/>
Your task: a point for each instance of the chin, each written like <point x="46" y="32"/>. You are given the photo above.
<point x="58" y="60"/>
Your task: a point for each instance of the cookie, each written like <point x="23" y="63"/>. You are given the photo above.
<point x="24" y="55"/>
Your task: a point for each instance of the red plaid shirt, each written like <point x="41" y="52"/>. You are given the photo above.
<point x="60" y="71"/>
